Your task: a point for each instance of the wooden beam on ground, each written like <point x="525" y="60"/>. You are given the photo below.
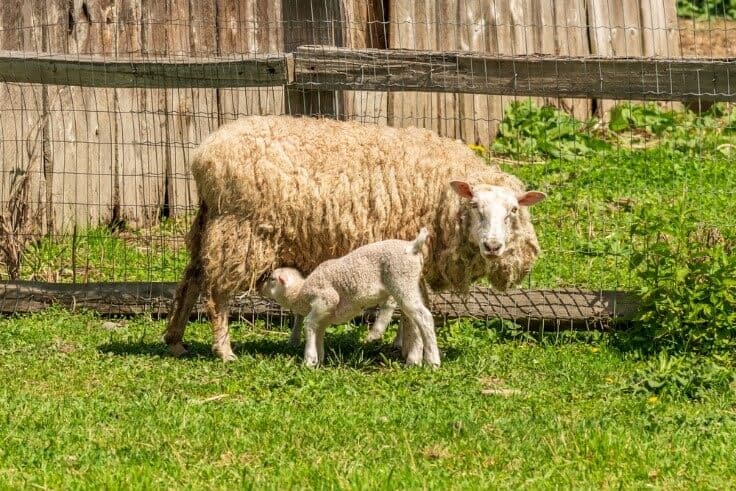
<point x="179" y="72"/>
<point x="526" y="75"/>
<point x="561" y="308"/>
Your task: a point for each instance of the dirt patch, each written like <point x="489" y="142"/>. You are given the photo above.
<point x="715" y="38"/>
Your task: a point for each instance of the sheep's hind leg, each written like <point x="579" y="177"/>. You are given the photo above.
<point x="218" y="311"/>
<point x="186" y="295"/>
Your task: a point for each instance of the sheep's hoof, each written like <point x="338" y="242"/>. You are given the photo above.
<point x="311" y="363"/>
<point x="178" y="349"/>
<point x="230" y="356"/>
<point x="224" y="354"/>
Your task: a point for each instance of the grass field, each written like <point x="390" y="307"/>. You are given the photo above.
<point x="88" y="402"/>
<point x="82" y="405"/>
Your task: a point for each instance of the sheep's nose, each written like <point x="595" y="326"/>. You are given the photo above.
<point x="492" y="246"/>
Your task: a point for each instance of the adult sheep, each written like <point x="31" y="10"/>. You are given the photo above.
<point x="283" y="191"/>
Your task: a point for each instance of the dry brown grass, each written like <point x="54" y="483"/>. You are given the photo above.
<point x="715" y="38"/>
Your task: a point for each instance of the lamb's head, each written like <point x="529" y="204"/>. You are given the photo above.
<point x="282" y="286"/>
<point x="494" y="215"/>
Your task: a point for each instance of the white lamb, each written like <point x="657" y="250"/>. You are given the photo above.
<point x="339" y="289"/>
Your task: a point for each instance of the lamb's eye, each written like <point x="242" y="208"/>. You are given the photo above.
<point x="514" y="209"/>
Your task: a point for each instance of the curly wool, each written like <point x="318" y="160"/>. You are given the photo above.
<point x="285" y="191"/>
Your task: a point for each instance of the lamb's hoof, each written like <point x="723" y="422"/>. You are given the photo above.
<point x="295" y="341"/>
<point x="432" y="359"/>
<point x="178" y="350"/>
<point x="311" y="363"/>
<point x="413" y="361"/>
<point x="372" y="337"/>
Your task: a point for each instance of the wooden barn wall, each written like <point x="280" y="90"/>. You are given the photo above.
<point x="96" y="155"/>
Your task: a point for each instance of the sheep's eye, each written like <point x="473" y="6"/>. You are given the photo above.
<point x="514" y="209"/>
<point x="474" y="205"/>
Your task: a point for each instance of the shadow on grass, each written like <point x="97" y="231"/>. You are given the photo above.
<point x="341" y="349"/>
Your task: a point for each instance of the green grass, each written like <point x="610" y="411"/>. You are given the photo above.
<point x="101" y="254"/>
<point x="583" y="225"/>
<point x="86" y="407"/>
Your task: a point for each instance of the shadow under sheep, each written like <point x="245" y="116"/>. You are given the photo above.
<point x="344" y="348"/>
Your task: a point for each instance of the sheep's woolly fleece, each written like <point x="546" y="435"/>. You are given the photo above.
<point x="284" y="191"/>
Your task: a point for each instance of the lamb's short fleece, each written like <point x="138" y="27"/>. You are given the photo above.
<point x="340" y="289"/>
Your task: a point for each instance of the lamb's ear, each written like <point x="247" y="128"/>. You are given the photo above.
<point x="462" y="188"/>
<point x="530" y="198"/>
<point x="283" y="279"/>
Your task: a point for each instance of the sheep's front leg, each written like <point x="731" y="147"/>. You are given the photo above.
<point x="218" y="312"/>
<point x="383" y="318"/>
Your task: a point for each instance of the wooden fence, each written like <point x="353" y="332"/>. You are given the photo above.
<point x="95" y="150"/>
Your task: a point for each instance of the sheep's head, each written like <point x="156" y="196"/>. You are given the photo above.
<point x="494" y="215"/>
<point x="282" y="286"/>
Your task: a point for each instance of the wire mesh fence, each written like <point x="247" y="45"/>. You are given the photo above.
<point x="95" y="185"/>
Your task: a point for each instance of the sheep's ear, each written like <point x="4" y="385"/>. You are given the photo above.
<point x="530" y="198"/>
<point x="283" y="279"/>
<point x="462" y="188"/>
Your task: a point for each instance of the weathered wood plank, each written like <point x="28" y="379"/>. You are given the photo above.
<point x="23" y="140"/>
<point x="312" y="22"/>
<point x="634" y="78"/>
<point x="571" y="39"/>
<point x="140" y="167"/>
<point x="246" y="29"/>
<point x="614" y="78"/>
<point x="363" y="28"/>
<point x="561" y="307"/>
<point x="412" y="27"/>
<point x="94" y="71"/>
<point x="180" y="133"/>
<point x="81" y="121"/>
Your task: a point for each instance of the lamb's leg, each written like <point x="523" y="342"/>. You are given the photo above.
<point x="218" y="312"/>
<point x="315" y="324"/>
<point x="411" y="344"/>
<point x="411" y="304"/>
<point x="314" y="330"/>
<point x="296" y="330"/>
<point x="186" y="295"/>
<point x="383" y="318"/>
<point x="398" y="341"/>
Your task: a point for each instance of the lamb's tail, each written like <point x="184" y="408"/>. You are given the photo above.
<point x="416" y="246"/>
